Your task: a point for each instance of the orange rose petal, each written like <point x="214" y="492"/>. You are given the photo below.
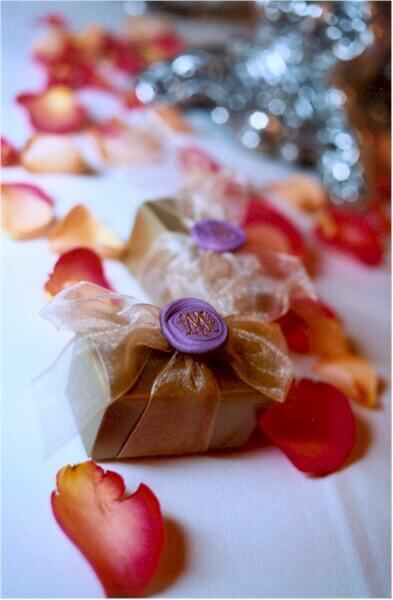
<point x="131" y="100"/>
<point x="353" y="375"/>
<point x="49" y="153"/>
<point x="124" y="145"/>
<point x="80" y="228"/>
<point x="260" y="212"/>
<point x="144" y="28"/>
<point x="121" y="536"/>
<point x="265" y="238"/>
<point x="9" y="154"/>
<point x="92" y="42"/>
<point x="55" y="111"/>
<point x="311" y="327"/>
<point x="26" y="211"/>
<point x="163" y="47"/>
<point x="78" y="264"/>
<point x="172" y="118"/>
<point x="304" y="192"/>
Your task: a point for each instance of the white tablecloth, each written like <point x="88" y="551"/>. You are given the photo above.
<point x="239" y="524"/>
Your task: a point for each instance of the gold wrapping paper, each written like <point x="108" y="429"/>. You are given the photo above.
<point x="132" y="395"/>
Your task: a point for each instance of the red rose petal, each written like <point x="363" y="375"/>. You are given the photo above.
<point x="314" y="427"/>
<point x="126" y="57"/>
<point x="378" y="218"/>
<point x="55" y="111"/>
<point x="259" y="212"/>
<point x="350" y="232"/>
<point x="121" y="536"/>
<point x="26" y="211"/>
<point x="295" y="331"/>
<point x="78" y="264"/>
<point x="9" y="154"/>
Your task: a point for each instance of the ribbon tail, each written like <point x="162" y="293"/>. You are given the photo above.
<point x="68" y="405"/>
<point x="180" y="414"/>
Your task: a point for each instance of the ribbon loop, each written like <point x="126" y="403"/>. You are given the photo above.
<point x="233" y="282"/>
<point x="167" y="428"/>
<point x="257" y="352"/>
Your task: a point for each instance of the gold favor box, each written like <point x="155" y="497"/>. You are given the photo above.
<point x="107" y="434"/>
<point x="153" y="218"/>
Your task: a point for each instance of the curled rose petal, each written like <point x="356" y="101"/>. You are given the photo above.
<point x="54" y="111"/>
<point x="78" y="264"/>
<point x="124" y="145"/>
<point x="47" y="153"/>
<point x="348" y="231"/>
<point x="26" y="211"/>
<point x="304" y="192"/>
<point x="311" y="327"/>
<point x="121" y="536"/>
<point x="353" y="375"/>
<point x="261" y="213"/>
<point x="314" y="427"/>
<point x="80" y="228"/>
<point x="9" y="154"/>
<point x="171" y="118"/>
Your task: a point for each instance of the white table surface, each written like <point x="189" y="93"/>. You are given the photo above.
<point x="240" y="524"/>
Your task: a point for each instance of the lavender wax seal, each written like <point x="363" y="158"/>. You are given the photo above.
<point x="193" y="326"/>
<point x="219" y="236"/>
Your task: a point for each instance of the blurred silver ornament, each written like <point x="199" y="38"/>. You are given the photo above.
<point x="274" y="87"/>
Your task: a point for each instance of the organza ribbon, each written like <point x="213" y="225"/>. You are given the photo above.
<point x="218" y="196"/>
<point x="114" y="338"/>
<point x="233" y="282"/>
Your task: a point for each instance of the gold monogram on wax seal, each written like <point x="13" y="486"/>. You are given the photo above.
<point x="198" y="322"/>
<point x="192" y="325"/>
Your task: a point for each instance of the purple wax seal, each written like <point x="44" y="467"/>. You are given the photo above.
<point x="219" y="236"/>
<point x="193" y="326"/>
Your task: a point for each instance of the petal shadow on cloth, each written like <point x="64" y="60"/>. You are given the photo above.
<point x="173" y="560"/>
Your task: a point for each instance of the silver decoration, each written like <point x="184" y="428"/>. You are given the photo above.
<point x="274" y="87"/>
